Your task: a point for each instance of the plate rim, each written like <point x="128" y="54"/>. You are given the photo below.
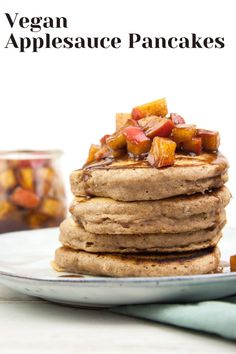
<point x="161" y="281"/>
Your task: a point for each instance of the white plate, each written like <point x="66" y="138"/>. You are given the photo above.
<point x="25" y="266"/>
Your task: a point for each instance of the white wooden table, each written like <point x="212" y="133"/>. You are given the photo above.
<point x="29" y="326"/>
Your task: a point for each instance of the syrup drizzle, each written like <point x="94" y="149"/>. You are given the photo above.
<point x="181" y="160"/>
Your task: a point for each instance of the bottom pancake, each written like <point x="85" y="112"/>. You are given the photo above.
<point x="73" y="235"/>
<point x="139" y="265"/>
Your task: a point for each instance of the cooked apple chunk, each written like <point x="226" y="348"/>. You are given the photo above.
<point x="210" y="139"/>
<point x="137" y="142"/>
<point x="103" y="152"/>
<point x="156" y="126"/>
<point x="233" y="263"/>
<point x="104" y="138"/>
<point x="145" y="122"/>
<point x="116" y="141"/>
<point x="183" y="132"/>
<point x="157" y="108"/>
<point x="92" y="151"/>
<point x="194" y="145"/>
<point x="177" y="119"/>
<point x="121" y="119"/>
<point x="162" y="152"/>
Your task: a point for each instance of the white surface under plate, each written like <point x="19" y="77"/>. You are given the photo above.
<point x="25" y="266"/>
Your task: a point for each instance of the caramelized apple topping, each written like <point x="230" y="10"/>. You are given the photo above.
<point x="183" y="132"/>
<point x="157" y="108"/>
<point x="177" y="119"/>
<point x="233" y="263"/>
<point x="104" y="138"/>
<point x="162" y="152"/>
<point x="210" y="139"/>
<point x="102" y="153"/>
<point x="194" y="146"/>
<point x="116" y="141"/>
<point x="121" y="119"/>
<point x="105" y="152"/>
<point x="159" y="127"/>
<point x="92" y="151"/>
<point x="137" y="142"/>
<point x="146" y="122"/>
<point x="148" y="133"/>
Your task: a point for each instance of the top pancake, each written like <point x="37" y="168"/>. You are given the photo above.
<point x="129" y="180"/>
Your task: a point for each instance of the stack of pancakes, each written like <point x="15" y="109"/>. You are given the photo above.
<point x="130" y="219"/>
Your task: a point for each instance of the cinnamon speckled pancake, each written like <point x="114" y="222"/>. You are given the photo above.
<point x="129" y="180"/>
<point x="172" y="215"/>
<point x="139" y="265"/>
<point x="73" y="235"/>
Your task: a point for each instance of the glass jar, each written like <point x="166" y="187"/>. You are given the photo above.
<point x="32" y="193"/>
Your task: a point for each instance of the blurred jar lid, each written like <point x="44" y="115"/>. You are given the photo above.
<point x="30" y="154"/>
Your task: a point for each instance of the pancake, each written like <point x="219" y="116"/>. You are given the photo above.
<point x="73" y="235"/>
<point x="154" y="265"/>
<point x="172" y="215"/>
<point x="129" y="180"/>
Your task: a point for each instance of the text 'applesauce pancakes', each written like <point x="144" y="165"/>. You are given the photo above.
<point x="150" y="200"/>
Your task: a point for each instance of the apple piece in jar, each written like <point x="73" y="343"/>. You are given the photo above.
<point x="7" y="179"/>
<point x="193" y="146"/>
<point x="177" y="119"/>
<point x="183" y="132"/>
<point x="162" y="152"/>
<point x="52" y="207"/>
<point x="210" y="139"/>
<point x="121" y="119"/>
<point x="26" y="178"/>
<point x="156" y="108"/>
<point x="3" y="165"/>
<point x="25" y="198"/>
<point x="36" y="220"/>
<point x="6" y="208"/>
<point x="45" y="178"/>
<point x="137" y="142"/>
<point x="58" y="190"/>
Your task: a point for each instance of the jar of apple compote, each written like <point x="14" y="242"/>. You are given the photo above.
<point x="32" y="193"/>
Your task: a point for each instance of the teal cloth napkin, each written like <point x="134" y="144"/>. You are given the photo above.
<point x="216" y="317"/>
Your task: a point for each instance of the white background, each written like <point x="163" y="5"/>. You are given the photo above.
<point x="67" y="99"/>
